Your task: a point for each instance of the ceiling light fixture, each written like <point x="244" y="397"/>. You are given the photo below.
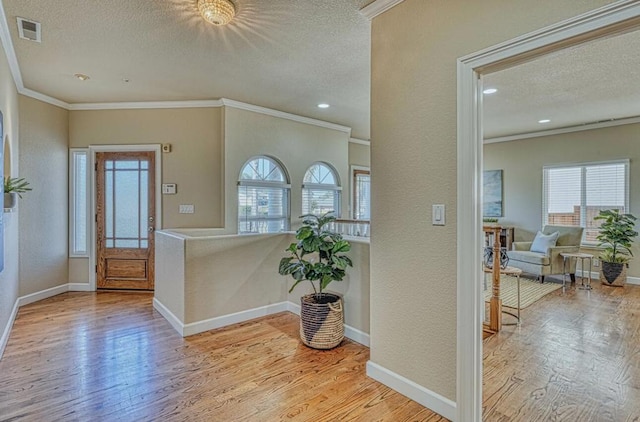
<point x="81" y="76"/>
<point x="544" y="121"/>
<point x="217" y="12"/>
<point x="323" y="105"/>
<point x="490" y="91"/>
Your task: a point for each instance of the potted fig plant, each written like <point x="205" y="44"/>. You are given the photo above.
<point x="13" y="188"/>
<point x="617" y="232"/>
<point x="319" y="257"/>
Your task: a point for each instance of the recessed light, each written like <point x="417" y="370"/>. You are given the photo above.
<point x="490" y="91"/>
<point x="544" y="121"/>
<point x="323" y="105"/>
<point x="126" y="80"/>
<point x="81" y="76"/>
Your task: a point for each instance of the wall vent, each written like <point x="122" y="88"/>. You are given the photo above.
<point x="29" y="30"/>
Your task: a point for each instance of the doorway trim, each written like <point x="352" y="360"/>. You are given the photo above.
<point x="157" y="149"/>
<point x="611" y="19"/>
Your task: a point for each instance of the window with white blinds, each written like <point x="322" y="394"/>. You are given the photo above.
<point x="78" y="202"/>
<point x="574" y="195"/>
<point x="361" y="194"/>
<point x="320" y="190"/>
<point x="263" y="197"/>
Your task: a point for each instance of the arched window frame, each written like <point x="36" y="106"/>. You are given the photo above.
<point x="250" y="206"/>
<point x="315" y="188"/>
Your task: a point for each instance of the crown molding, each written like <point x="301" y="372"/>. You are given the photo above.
<point x="283" y="115"/>
<point x="360" y="141"/>
<point x="146" y="104"/>
<point x="378" y="7"/>
<point x="43" y="97"/>
<point x="569" y="129"/>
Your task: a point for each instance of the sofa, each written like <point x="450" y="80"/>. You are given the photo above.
<point x="543" y="264"/>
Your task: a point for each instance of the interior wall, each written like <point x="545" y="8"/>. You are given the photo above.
<point x="415" y="46"/>
<point x="359" y="155"/>
<point x="9" y="281"/>
<point x="522" y="162"/>
<point x="296" y="145"/>
<point x="44" y="131"/>
<point x="194" y="164"/>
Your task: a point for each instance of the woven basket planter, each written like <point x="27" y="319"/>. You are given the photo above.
<point x="613" y="274"/>
<point x="321" y="320"/>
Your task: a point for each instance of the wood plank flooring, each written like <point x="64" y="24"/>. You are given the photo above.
<point x="576" y="357"/>
<point x="110" y="357"/>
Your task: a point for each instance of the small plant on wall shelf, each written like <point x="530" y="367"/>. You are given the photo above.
<point x="14" y="187"/>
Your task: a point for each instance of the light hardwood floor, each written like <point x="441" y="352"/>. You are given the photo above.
<point x="576" y="357"/>
<point x="111" y="357"/>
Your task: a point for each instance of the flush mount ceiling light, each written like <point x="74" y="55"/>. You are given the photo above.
<point x="323" y="105"/>
<point x="544" y="121"/>
<point x="217" y="12"/>
<point x="81" y="76"/>
<point x="490" y="91"/>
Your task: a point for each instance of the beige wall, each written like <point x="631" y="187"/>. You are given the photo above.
<point x="296" y="145"/>
<point x="44" y="130"/>
<point x="359" y="155"/>
<point x="415" y="46"/>
<point x="195" y="163"/>
<point x="9" y="280"/>
<point x="522" y="162"/>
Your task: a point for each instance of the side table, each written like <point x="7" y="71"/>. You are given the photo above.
<point x="566" y="258"/>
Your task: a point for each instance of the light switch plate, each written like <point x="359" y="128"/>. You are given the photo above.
<point x="437" y="214"/>
<point x="187" y="209"/>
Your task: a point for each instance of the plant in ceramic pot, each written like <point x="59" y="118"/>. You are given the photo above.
<point x="318" y="257"/>
<point x="617" y="233"/>
<point x="13" y="188"/>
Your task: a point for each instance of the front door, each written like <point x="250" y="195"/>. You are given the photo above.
<point x="125" y="219"/>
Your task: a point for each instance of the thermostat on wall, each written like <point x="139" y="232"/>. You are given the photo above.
<point x="168" y="188"/>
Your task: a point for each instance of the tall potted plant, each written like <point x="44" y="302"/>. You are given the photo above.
<point x="13" y="188"/>
<point x="617" y="232"/>
<point x="319" y="257"/>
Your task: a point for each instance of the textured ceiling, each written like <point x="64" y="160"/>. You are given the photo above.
<point x="288" y="55"/>
<point x="592" y="82"/>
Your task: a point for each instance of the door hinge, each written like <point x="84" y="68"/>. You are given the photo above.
<point x="95" y="166"/>
<point x="96" y="215"/>
<point x="96" y="268"/>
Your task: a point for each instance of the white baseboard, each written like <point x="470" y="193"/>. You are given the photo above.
<point x="169" y="316"/>
<point x="434" y="401"/>
<point x="633" y="280"/>
<point x="79" y="287"/>
<point x="349" y="332"/>
<point x="7" y="329"/>
<point x="43" y="294"/>
<point x="224" y="320"/>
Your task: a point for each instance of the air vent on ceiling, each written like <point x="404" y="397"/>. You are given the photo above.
<point x="29" y="30"/>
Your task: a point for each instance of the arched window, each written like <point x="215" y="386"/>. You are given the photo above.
<point x="263" y="197"/>
<point x="321" y="190"/>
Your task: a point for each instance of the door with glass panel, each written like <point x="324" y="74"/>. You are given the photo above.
<point x="125" y="219"/>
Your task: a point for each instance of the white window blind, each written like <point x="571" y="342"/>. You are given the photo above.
<point x="320" y="190"/>
<point x="78" y="203"/>
<point x="362" y="195"/>
<point x="574" y="195"/>
<point x="263" y="197"/>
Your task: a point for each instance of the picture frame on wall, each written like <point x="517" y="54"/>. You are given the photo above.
<point x="492" y="196"/>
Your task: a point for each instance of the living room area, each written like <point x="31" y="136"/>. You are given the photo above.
<point x="569" y="355"/>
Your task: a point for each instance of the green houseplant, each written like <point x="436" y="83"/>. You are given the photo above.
<point x="617" y="233"/>
<point x="318" y="257"/>
<point x="14" y="187"/>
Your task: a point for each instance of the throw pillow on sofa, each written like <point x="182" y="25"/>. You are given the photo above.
<point x="543" y="242"/>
